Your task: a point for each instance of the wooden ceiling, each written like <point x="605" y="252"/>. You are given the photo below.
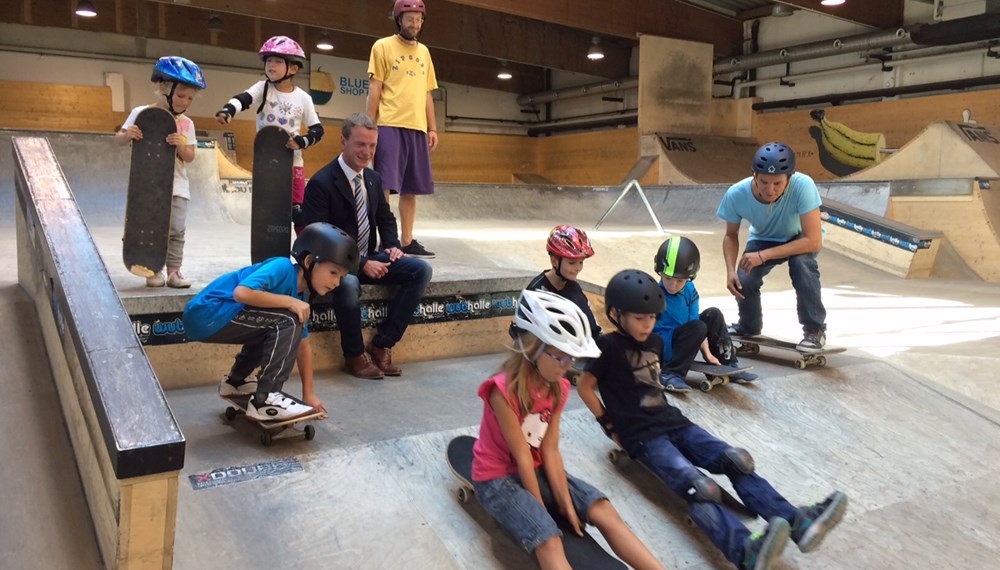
<point x="468" y="38"/>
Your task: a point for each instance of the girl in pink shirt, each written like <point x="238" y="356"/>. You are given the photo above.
<point x="517" y="459"/>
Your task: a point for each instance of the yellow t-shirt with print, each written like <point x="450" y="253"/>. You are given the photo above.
<point x="407" y="74"/>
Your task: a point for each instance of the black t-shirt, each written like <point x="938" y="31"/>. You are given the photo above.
<point x="628" y="376"/>
<point x="571" y="291"/>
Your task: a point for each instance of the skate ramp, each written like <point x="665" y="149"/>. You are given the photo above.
<point x="704" y="159"/>
<point x="945" y="149"/>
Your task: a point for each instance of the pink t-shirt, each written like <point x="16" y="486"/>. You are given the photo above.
<point x="491" y="455"/>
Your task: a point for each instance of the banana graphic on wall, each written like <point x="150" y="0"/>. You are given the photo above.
<point x="848" y="146"/>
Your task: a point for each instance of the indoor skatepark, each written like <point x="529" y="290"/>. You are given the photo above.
<point x="888" y="422"/>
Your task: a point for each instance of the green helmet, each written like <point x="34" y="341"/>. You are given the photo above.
<point x="679" y="258"/>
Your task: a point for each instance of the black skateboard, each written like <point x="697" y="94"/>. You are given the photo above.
<point x="715" y="375"/>
<point x="750" y="346"/>
<point x="271" y="200"/>
<point x="731" y="503"/>
<point x="150" y="193"/>
<point x="269" y="429"/>
<point x="583" y="553"/>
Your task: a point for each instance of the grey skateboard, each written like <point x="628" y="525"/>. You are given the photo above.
<point x="715" y="375"/>
<point x="269" y="429"/>
<point x="750" y="346"/>
<point x="150" y="193"/>
<point x="583" y="553"/>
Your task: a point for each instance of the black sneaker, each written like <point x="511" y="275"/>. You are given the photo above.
<point x="813" y="522"/>
<point x="417" y="250"/>
<point x="813" y="340"/>
<point x="763" y="549"/>
<point x="736" y="330"/>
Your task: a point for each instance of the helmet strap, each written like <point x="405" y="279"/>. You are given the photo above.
<point x="307" y="273"/>
<point x="559" y="274"/>
<point x="170" y="99"/>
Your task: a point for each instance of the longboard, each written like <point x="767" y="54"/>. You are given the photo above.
<point x="715" y="375"/>
<point x="730" y="502"/>
<point x="271" y="200"/>
<point x="583" y="553"/>
<point x="150" y="192"/>
<point x="269" y="429"/>
<point x="750" y="346"/>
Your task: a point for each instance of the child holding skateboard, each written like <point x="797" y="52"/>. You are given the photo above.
<point x="518" y="447"/>
<point x="634" y="412"/>
<point x="682" y="327"/>
<point x="568" y="247"/>
<point x="280" y="103"/>
<point x="177" y="81"/>
<point x="265" y="307"/>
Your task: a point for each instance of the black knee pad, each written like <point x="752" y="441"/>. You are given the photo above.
<point x="703" y="489"/>
<point x="737" y="460"/>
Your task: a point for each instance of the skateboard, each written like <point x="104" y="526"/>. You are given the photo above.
<point x="731" y="503"/>
<point x="583" y="553"/>
<point x="269" y="429"/>
<point x="271" y="199"/>
<point x="750" y="346"/>
<point x="150" y="192"/>
<point x="715" y="375"/>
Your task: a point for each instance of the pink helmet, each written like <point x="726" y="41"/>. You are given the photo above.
<point x="407" y="6"/>
<point x="569" y="243"/>
<point x="283" y="46"/>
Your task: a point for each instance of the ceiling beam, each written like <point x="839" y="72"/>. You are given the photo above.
<point x="450" y="26"/>
<point x="881" y="15"/>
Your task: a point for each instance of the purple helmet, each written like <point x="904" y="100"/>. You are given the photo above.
<point x="283" y="46"/>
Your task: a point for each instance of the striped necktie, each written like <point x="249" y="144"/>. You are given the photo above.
<point x="361" y="209"/>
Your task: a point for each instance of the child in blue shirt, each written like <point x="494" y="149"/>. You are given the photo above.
<point x="265" y="307"/>
<point x="683" y="328"/>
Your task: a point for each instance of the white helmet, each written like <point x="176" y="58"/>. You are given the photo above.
<point x="557" y="322"/>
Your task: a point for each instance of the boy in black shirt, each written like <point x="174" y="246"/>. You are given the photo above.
<point x="636" y="415"/>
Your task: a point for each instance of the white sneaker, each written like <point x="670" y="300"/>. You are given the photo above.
<point x="277" y="407"/>
<point x="178" y="281"/>
<point x="157" y="280"/>
<point x="228" y="390"/>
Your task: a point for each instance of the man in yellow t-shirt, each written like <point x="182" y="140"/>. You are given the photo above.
<point x="401" y="78"/>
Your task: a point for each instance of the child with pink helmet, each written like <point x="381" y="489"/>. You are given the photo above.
<point x="280" y="103"/>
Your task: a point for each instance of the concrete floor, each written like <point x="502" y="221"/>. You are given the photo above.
<point x="906" y="422"/>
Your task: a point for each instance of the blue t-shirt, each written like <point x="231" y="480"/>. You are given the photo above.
<point x="214" y="306"/>
<point x="771" y="222"/>
<point x="681" y="308"/>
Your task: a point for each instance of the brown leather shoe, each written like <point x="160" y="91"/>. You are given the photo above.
<point x="382" y="357"/>
<point x="361" y="366"/>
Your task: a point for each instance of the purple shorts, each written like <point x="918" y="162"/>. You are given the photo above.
<point x="404" y="161"/>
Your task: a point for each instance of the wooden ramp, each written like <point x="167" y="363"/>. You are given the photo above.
<point x="530" y="178"/>
<point x="704" y="159"/>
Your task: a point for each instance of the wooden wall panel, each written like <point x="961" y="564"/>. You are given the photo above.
<point x="597" y="158"/>
<point x="25" y="105"/>
<point x="482" y="158"/>
<point x="899" y="120"/>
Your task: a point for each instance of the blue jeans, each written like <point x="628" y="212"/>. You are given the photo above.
<point x="675" y="457"/>
<point x="804" y="272"/>
<point x="410" y="274"/>
<point x="520" y="513"/>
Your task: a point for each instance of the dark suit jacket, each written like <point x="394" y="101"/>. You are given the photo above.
<point x="329" y="198"/>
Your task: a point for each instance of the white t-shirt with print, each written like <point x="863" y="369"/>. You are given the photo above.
<point x="185" y="127"/>
<point x="292" y="112"/>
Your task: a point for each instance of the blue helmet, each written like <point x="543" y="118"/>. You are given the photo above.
<point x="774" y="158"/>
<point x="178" y="70"/>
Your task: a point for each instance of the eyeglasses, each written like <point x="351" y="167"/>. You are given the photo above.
<point x="564" y="360"/>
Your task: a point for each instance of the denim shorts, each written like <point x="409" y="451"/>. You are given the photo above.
<point x="520" y="514"/>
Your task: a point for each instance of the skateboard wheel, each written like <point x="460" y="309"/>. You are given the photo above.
<point x="231" y="413"/>
<point x="821" y="361"/>
<point x="801" y="364"/>
<point x="614" y="455"/>
<point x="310" y="432"/>
<point x="265" y="438"/>
<point x="463" y="494"/>
<point x="705" y="386"/>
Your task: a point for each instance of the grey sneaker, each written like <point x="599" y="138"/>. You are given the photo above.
<point x="229" y="389"/>
<point x="813" y="522"/>
<point x="415" y="249"/>
<point x="813" y="340"/>
<point x="736" y="330"/>
<point x="763" y="549"/>
<point x="673" y="382"/>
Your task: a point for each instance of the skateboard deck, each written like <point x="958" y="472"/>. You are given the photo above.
<point x="750" y="346"/>
<point x="271" y="199"/>
<point x="150" y="192"/>
<point x="583" y="553"/>
<point x="269" y="429"/>
<point x="715" y="375"/>
<point x="731" y="503"/>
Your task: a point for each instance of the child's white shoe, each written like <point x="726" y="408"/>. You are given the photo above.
<point x="277" y="407"/>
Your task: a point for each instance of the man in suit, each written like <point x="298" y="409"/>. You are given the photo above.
<point x="348" y="194"/>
